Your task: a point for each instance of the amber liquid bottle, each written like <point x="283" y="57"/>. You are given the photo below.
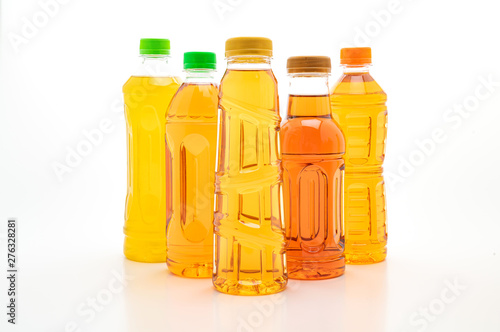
<point x="358" y="106"/>
<point x="190" y="158"/>
<point x="249" y="254"/>
<point x="313" y="172"/>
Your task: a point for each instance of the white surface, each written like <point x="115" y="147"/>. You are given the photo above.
<point x="443" y="217"/>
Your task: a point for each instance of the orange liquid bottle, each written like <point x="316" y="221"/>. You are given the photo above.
<point x="358" y="106"/>
<point x="313" y="172"/>
<point x="191" y="150"/>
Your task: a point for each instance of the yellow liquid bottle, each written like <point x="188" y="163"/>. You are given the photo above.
<point x="147" y="96"/>
<point x="358" y="106"/>
<point x="249" y="237"/>
<point x="191" y="153"/>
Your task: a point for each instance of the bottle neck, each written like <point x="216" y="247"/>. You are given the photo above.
<point x="358" y="69"/>
<point x="154" y="65"/>
<point x="308" y="95"/>
<point x="198" y="75"/>
<point x="249" y="62"/>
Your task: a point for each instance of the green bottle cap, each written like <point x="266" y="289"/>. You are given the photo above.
<point x="155" y="46"/>
<point x="200" y="60"/>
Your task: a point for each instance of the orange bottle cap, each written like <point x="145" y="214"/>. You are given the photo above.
<point x="356" y="56"/>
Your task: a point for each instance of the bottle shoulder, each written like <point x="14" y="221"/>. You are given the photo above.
<point x="357" y="84"/>
<point x="312" y="135"/>
<point x="250" y="92"/>
<point x="234" y="79"/>
<point x="194" y="100"/>
<point x="135" y="83"/>
<point x="310" y="123"/>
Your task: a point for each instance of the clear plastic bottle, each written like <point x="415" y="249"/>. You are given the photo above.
<point x="147" y="95"/>
<point x="249" y="237"/>
<point x="191" y="153"/>
<point x="313" y="174"/>
<point x="358" y="105"/>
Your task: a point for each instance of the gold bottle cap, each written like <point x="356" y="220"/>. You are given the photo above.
<point x="249" y="46"/>
<point x="309" y="64"/>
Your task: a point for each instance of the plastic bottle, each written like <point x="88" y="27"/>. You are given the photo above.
<point x="249" y="236"/>
<point x="191" y="153"/>
<point x="313" y="173"/>
<point x="358" y="105"/>
<point x="147" y="95"/>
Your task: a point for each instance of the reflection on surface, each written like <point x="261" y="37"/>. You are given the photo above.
<point x="156" y="300"/>
<point x="366" y="297"/>
<point x="249" y="313"/>
<point x="316" y="305"/>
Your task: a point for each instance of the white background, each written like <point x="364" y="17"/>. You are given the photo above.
<point x="65" y="77"/>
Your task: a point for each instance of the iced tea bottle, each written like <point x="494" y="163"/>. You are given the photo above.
<point x="313" y="173"/>
<point x="249" y="237"/>
<point x="147" y="95"/>
<point x="191" y="151"/>
<point x="358" y="105"/>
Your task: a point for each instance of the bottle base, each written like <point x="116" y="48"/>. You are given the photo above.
<point x="190" y="270"/>
<point x="250" y="287"/>
<point x="315" y="270"/>
<point x="366" y="258"/>
<point x="145" y="251"/>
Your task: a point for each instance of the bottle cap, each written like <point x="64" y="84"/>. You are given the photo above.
<point x="249" y="46"/>
<point x="356" y="56"/>
<point x="201" y="60"/>
<point x="155" y="46"/>
<point x="309" y="64"/>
